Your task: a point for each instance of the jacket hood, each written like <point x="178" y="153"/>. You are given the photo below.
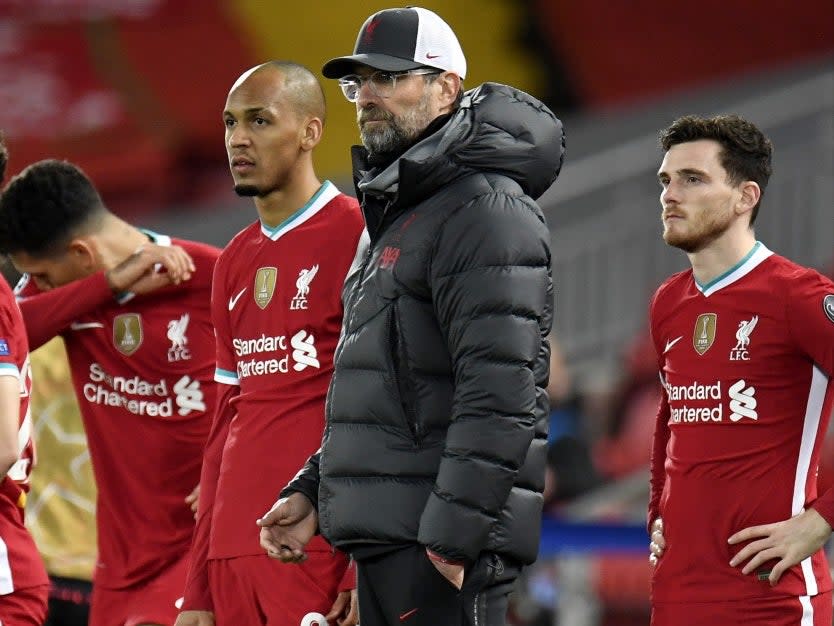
<point x="497" y="129"/>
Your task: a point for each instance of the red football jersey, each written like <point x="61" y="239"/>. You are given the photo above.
<point x="746" y="363"/>
<point x="277" y="311"/>
<point x="143" y="371"/>
<point x="20" y="564"/>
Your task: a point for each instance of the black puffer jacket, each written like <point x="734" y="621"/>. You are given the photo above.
<point x="436" y="414"/>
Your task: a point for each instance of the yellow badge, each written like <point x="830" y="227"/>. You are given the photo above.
<point x="704" y="334"/>
<point x="127" y="333"/>
<point x="265" y="280"/>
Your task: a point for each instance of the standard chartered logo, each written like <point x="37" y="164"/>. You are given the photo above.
<point x="274" y="354"/>
<point x="304" y="351"/>
<point x="189" y="395"/>
<point x="742" y="401"/>
<point x="704" y="402"/>
<point x="143" y="397"/>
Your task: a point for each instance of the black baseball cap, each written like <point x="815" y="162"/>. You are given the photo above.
<point x="396" y="40"/>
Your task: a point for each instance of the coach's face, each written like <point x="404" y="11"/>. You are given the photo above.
<point x="393" y="122"/>
<point x="699" y="203"/>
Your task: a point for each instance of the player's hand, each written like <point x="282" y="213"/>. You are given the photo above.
<point x="288" y="527"/>
<point x="345" y="610"/>
<point x="451" y="571"/>
<point x="149" y="268"/>
<point x="195" y="618"/>
<point x="193" y="500"/>
<point x="658" y="542"/>
<point x="790" y="542"/>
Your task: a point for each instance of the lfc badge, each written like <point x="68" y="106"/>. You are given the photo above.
<point x="127" y="333"/>
<point x="265" y="281"/>
<point x="305" y="277"/>
<point x="704" y="333"/>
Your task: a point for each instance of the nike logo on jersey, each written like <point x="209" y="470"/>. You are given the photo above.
<point x="669" y="344"/>
<point x="85" y="325"/>
<point x="233" y="300"/>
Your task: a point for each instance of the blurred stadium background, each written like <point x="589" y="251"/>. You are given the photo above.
<point x="132" y="91"/>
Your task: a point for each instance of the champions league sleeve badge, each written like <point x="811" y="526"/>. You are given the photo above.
<point x="828" y="306"/>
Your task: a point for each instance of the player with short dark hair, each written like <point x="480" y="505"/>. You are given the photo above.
<point x="745" y="347"/>
<point x="142" y="366"/>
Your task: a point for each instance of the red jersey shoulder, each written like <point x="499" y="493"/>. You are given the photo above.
<point x="348" y="204"/>
<point x="778" y="270"/>
<point x="808" y="299"/>
<point x="199" y="249"/>
<point x="346" y="210"/>
<point x="667" y="297"/>
<point x="802" y="289"/>
<point x="247" y="235"/>
<point x="672" y="286"/>
<point x="782" y="272"/>
<point x="12" y="335"/>
<point x="7" y="299"/>
<point x="205" y="256"/>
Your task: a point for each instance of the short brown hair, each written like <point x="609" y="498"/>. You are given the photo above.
<point x="745" y="151"/>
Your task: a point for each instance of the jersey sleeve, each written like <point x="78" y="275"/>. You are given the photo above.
<point x="8" y="345"/>
<point x="226" y="364"/>
<point x="810" y="306"/>
<point x="810" y="311"/>
<point x="197" y="595"/>
<point x="824" y="505"/>
<point x="48" y="313"/>
<point x="348" y="582"/>
<point x="660" y="438"/>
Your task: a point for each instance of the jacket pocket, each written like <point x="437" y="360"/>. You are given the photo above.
<point x="403" y="380"/>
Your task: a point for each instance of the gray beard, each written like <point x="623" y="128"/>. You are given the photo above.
<point x="392" y="138"/>
<point x="399" y="132"/>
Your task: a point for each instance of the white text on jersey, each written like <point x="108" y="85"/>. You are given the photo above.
<point x="709" y="402"/>
<point x="153" y="397"/>
<point x="304" y="354"/>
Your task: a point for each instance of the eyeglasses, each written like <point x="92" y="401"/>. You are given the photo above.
<point x="382" y="84"/>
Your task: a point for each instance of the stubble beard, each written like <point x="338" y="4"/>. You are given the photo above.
<point x="706" y="229"/>
<point x="397" y="132"/>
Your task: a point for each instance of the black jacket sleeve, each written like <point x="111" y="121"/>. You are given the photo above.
<point x="306" y="481"/>
<point x="491" y="286"/>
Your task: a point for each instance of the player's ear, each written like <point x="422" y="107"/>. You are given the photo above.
<point x="749" y="197"/>
<point x="82" y="253"/>
<point x="311" y="133"/>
